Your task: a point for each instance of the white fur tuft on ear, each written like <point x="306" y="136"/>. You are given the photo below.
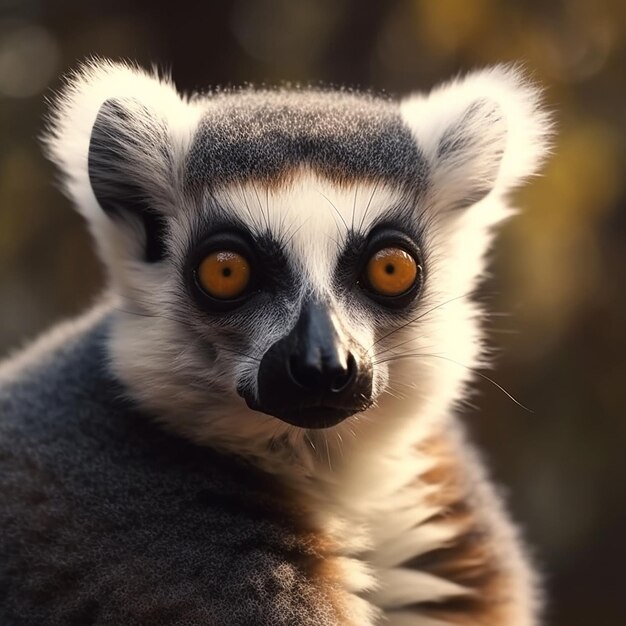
<point x="75" y="109"/>
<point x="122" y="99"/>
<point x="481" y="133"/>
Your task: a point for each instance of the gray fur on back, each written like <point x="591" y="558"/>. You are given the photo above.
<point x="108" y="520"/>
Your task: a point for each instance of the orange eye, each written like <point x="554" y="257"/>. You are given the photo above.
<point x="391" y="272"/>
<point x="224" y="274"/>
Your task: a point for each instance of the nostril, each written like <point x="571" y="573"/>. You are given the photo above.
<point x="345" y="378"/>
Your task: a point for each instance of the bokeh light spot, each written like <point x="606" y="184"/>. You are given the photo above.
<point x="28" y="59"/>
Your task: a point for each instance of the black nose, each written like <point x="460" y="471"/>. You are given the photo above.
<point x="314" y="377"/>
<point x="328" y="376"/>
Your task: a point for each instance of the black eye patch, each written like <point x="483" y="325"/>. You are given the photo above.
<point x="350" y="272"/>
<point x="271" y="275"/>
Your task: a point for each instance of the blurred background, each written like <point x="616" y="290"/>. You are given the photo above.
<point x="558" y="272"/>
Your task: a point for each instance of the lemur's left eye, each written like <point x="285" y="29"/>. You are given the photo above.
<point x="224" y="274"/>
<point x="391" y="272"/>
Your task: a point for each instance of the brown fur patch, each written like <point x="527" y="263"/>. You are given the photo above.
<point x="283" y="180"/>
<point x="313" y="552"/>
<point x="472" y="559"/>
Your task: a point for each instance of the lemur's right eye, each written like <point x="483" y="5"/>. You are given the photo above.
<point x="390" y="269"/>
<point x="391" y="272"/>
<point x="224" y="274"/>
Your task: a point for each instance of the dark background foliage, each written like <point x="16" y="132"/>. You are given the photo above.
<point x="557" y="271"/>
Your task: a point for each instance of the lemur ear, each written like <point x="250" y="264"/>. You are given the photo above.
<point x="115" y="132"/>
<point x="125" y="139"/>
<point x="481" y="134"/>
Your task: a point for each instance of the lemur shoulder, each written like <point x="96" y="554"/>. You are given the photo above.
<point x="258" y="422"/>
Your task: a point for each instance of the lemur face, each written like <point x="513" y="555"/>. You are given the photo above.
<point x="293" y="258"/>
<point x="296" y="285"/>
<point x="304" y="244"/>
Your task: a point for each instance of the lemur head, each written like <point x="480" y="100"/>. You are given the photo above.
<point x="284" y="261"/>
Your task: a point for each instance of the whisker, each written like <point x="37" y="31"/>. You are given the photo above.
<point x="306" y="436"/>
<point x="267" y="200"/>
<point x="419" y="317"/>
<point x="265" y="214"/>
<point x="399" y="357"/>
<point x="368" y="206"/>
<point x="295" y="232"/>
<point x="332" y="239"/>
<point x="399" y="345"/>
<point x="243" y="354"/>
<point x="336" y="211"/>
<point x="245" y="202"/>
<point x="330" y="466"/>
<point x="340" y="443"/>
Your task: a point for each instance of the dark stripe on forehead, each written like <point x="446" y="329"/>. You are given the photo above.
<point x="263" y="135"/>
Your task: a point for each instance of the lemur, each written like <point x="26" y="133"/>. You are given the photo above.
<point x="257" y="423"/>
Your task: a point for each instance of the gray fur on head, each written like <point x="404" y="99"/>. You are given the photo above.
<point x="263" y="135"/>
